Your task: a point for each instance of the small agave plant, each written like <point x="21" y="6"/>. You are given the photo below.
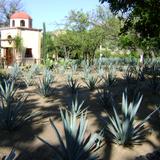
<point x="73" y="84"/>
<point x="15" y="72"/>
<point x="14" y="115"/>
<point x="44" y="85"/>
<point x="77" y="145"/>
<point x="110" y="80"/>
<point x="7" y="91"/>
<point x="122" y="129"/>
<point x="92" y="82"/>
<point x="76" y="107"/>
<point x="105" y="97"/>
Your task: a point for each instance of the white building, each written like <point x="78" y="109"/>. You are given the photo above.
<point x="21" y="26"/>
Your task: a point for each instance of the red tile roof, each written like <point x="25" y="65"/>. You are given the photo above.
<point x="20" y="15"/>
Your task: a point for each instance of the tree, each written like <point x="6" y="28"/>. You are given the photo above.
<point x="141" y="16"/>
<point x="18" y="45"/>
<point x="7" y="8"/>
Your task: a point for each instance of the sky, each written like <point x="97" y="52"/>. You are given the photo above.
<point x="54" y="11"/>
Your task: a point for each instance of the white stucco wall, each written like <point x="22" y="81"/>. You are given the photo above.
<point x="17" y="23"/>
<point x="31" y="39"/>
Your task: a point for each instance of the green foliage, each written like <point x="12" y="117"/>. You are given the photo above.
<point x="110" y="80"/>
<point x="85" y="32"/>
<point x="14" y="115"/>
<point x="77" y="145"/>
<point x="44" y="85"/>
<point x="128" y="74"/>
<point x="73" y="84"/>
<point x="105" y="97"/>
<point x="140" y="18"/>
<point x="18" y="43"/>
<point x="76" y="107"/>
<point x="122" y="128"/>
<point x="154" y="80"/>
<point x="15" y="72"/>
<point x="91" y="82"/>
<point x="7" y="92"/>
<point x="30" y="74"/>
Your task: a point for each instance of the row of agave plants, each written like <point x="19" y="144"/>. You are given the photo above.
<point x="120" y="128"/>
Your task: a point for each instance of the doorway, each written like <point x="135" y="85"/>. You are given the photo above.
<point x="9" y="56"/>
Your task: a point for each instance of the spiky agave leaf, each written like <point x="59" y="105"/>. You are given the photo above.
<point x="91" y="82"/>
<point x="14" y="115"/>
<point x="15" y="72"/>
<point x="76" y="106"/>
<point x="44" y="85"/>
<point x="73" y="84"/>
<point x="7" y="91"/>
<point x="76" y="146"/>
<point x="11" y="155"/>
<point x="122" y="129"/>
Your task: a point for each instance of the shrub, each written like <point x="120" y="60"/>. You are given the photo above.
<point x="122" y="128"/>
<point x="73" y="85"/>
<point x="77" y="145"/>
<point x="76" y="107"/>
<point x="44" y="85"/>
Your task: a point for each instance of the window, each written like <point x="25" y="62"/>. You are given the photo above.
<point x="9" y="38"/>
<point x="30" y="24"/>
<point x="13" y="23"/>
<point x="22" y="23"/>
<point x="28" y="53"/>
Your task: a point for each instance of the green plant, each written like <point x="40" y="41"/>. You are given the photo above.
<point x="7" y="91"/>
<point x="91" y="82"/>
<point x="77" y="145"/>
<point x="140" y="74"/>
<point x="28" y="76"/>
<point x="15" y="72"/>
<point x="44" y="85"/>
<point x="128" y="74"/>
<point x="11" y="155"/>
<point x="154" y="80"/>
<point x="14" y="115"/>
<point x="105" y="97"/>
<point x="110" y="80"/>
<point x="73" y="84"/>
<point x="76" y="107"/>
<point x="122" y="128"/>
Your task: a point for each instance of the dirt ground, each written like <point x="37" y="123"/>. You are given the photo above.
<point x="29" y="147"/>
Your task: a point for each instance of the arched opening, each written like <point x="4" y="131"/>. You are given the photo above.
<point x="22" y="23"/>
<point x="13" y="23"/>
<point x="9" y="38"/>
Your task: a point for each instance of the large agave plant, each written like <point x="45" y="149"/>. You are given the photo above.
<point x="44" y="85"/>
<point x="76" y="107"/>
<point x="7" y="91"/>
<point x="14" y="115"/>
<point x="122" y="129"/>
<point x="77" y="145"/>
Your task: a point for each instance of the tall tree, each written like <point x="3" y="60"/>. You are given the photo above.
<point x="142" y="16"/>
<point x="7" y="8"/>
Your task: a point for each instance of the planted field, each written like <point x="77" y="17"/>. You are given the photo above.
<point x="80" y="111"/>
